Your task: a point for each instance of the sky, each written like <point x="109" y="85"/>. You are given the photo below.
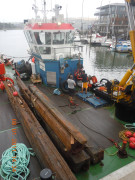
<point x="18" y="10"/>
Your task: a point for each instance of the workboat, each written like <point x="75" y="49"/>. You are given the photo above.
<point x="51" y="44"/>
<point x="90" y="145"/>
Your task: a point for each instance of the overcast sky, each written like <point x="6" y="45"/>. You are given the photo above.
<point x="18" y="10"/>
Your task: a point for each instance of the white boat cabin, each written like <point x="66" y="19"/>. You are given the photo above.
<point x="50" y="40"/>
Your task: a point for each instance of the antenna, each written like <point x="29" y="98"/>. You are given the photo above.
<point x="67" y="13"/>
<point x="51" y="5"/>
<point x="57" y="9"/>
<point x="82" y="18"/>
<point x="44" y="10"/>
<point x="35" y="8"/>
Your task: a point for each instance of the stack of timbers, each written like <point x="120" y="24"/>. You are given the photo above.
<point x="39" y="140"/>
<point x="70" y="142"/>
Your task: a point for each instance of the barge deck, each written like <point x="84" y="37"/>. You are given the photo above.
<point x="6" y="116"/>
<point x="90" y="121"/>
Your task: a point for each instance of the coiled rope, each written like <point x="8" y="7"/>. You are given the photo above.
<point x="123" y="136"/>
<point x="15" y="161"/>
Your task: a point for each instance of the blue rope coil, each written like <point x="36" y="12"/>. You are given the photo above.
<point x="14" y="162"/>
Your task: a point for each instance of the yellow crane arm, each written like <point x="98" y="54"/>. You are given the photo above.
<point x="130" y="12"/>
<point x="131" y="21"/>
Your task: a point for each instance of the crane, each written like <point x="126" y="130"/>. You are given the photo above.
<point x="123" y="92"/>
<point x="125" y="89"/>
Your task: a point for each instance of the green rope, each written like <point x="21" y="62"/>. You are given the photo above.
<point x="10" y="129"/>
<point x="15" y="161"/>
<point x="112" y="154"/>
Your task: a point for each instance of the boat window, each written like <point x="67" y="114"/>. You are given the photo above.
<point x="45" y="50"/>
<point x="36" y="34"/>
<point x="69" y="37"/>
<point x="58" y="37"/>
<point x="43" y="37"/>
<point x="26" y="37"/>
<point x="48" y="38"/>
<point x="29" y="36"/>
<point x="36" y="50"/>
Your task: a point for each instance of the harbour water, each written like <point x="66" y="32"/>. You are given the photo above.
<point x="98" y="61"/>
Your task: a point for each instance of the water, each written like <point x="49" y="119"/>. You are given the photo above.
<point x="99" y="61"/>
<point x="103" y="63"/>
<point x="13" y="43"/>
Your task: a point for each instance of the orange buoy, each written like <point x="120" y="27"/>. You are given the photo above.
<point x="128" y="134"/>
<point x="132" y="139"/>
<point x="134" y="135"/>
<point x="132" y="145"/>
<point x="15" y="93"/>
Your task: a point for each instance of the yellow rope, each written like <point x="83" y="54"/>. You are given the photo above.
<point x="123" y="136"/>
<point x="112" y="153"/>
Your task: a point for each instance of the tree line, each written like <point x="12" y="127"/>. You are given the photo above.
<point x="8" y="26"/>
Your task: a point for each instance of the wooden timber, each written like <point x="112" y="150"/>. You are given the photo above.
<point x="76" y="157"/>
<point x="72" y="142"/>
<point x="58" y="116"/>
<point x="41" y="143"/>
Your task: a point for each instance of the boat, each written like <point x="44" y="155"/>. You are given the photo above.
<point x="51" y="44"/>
<point x="96" y="39"/>
<point x="122" y="47"/>
<point x="107" y="43"/>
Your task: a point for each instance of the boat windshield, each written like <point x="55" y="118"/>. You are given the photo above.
<point x="69" y="37"/>
<point x="58" y="37"/>
<point x="43" y="37"/>
<point x="29" y="36"/>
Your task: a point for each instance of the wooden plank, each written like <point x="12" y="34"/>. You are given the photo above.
<point x="66" y="137"/>
<point x="63" y="140"/>
<point x="74" y="132"/>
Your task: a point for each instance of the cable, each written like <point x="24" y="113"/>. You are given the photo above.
<point x="16" y="57"/>
<point x="94" y="130"/>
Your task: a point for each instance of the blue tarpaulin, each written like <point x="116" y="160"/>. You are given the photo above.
<point x="92" y="99"/>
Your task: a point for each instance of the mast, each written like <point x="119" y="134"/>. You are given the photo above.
<point x="82" y="18"/>
<point x="67" y="13"/>
<point x="108" y="23"/>
<point x="44" y="10"/>
<point x="99" y="24"/>
<point x="35" y="8"/>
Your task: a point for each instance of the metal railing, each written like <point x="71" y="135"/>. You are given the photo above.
<point x="67" y="51"/>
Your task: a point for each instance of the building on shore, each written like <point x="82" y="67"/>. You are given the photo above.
<point x="112" y="20"/>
